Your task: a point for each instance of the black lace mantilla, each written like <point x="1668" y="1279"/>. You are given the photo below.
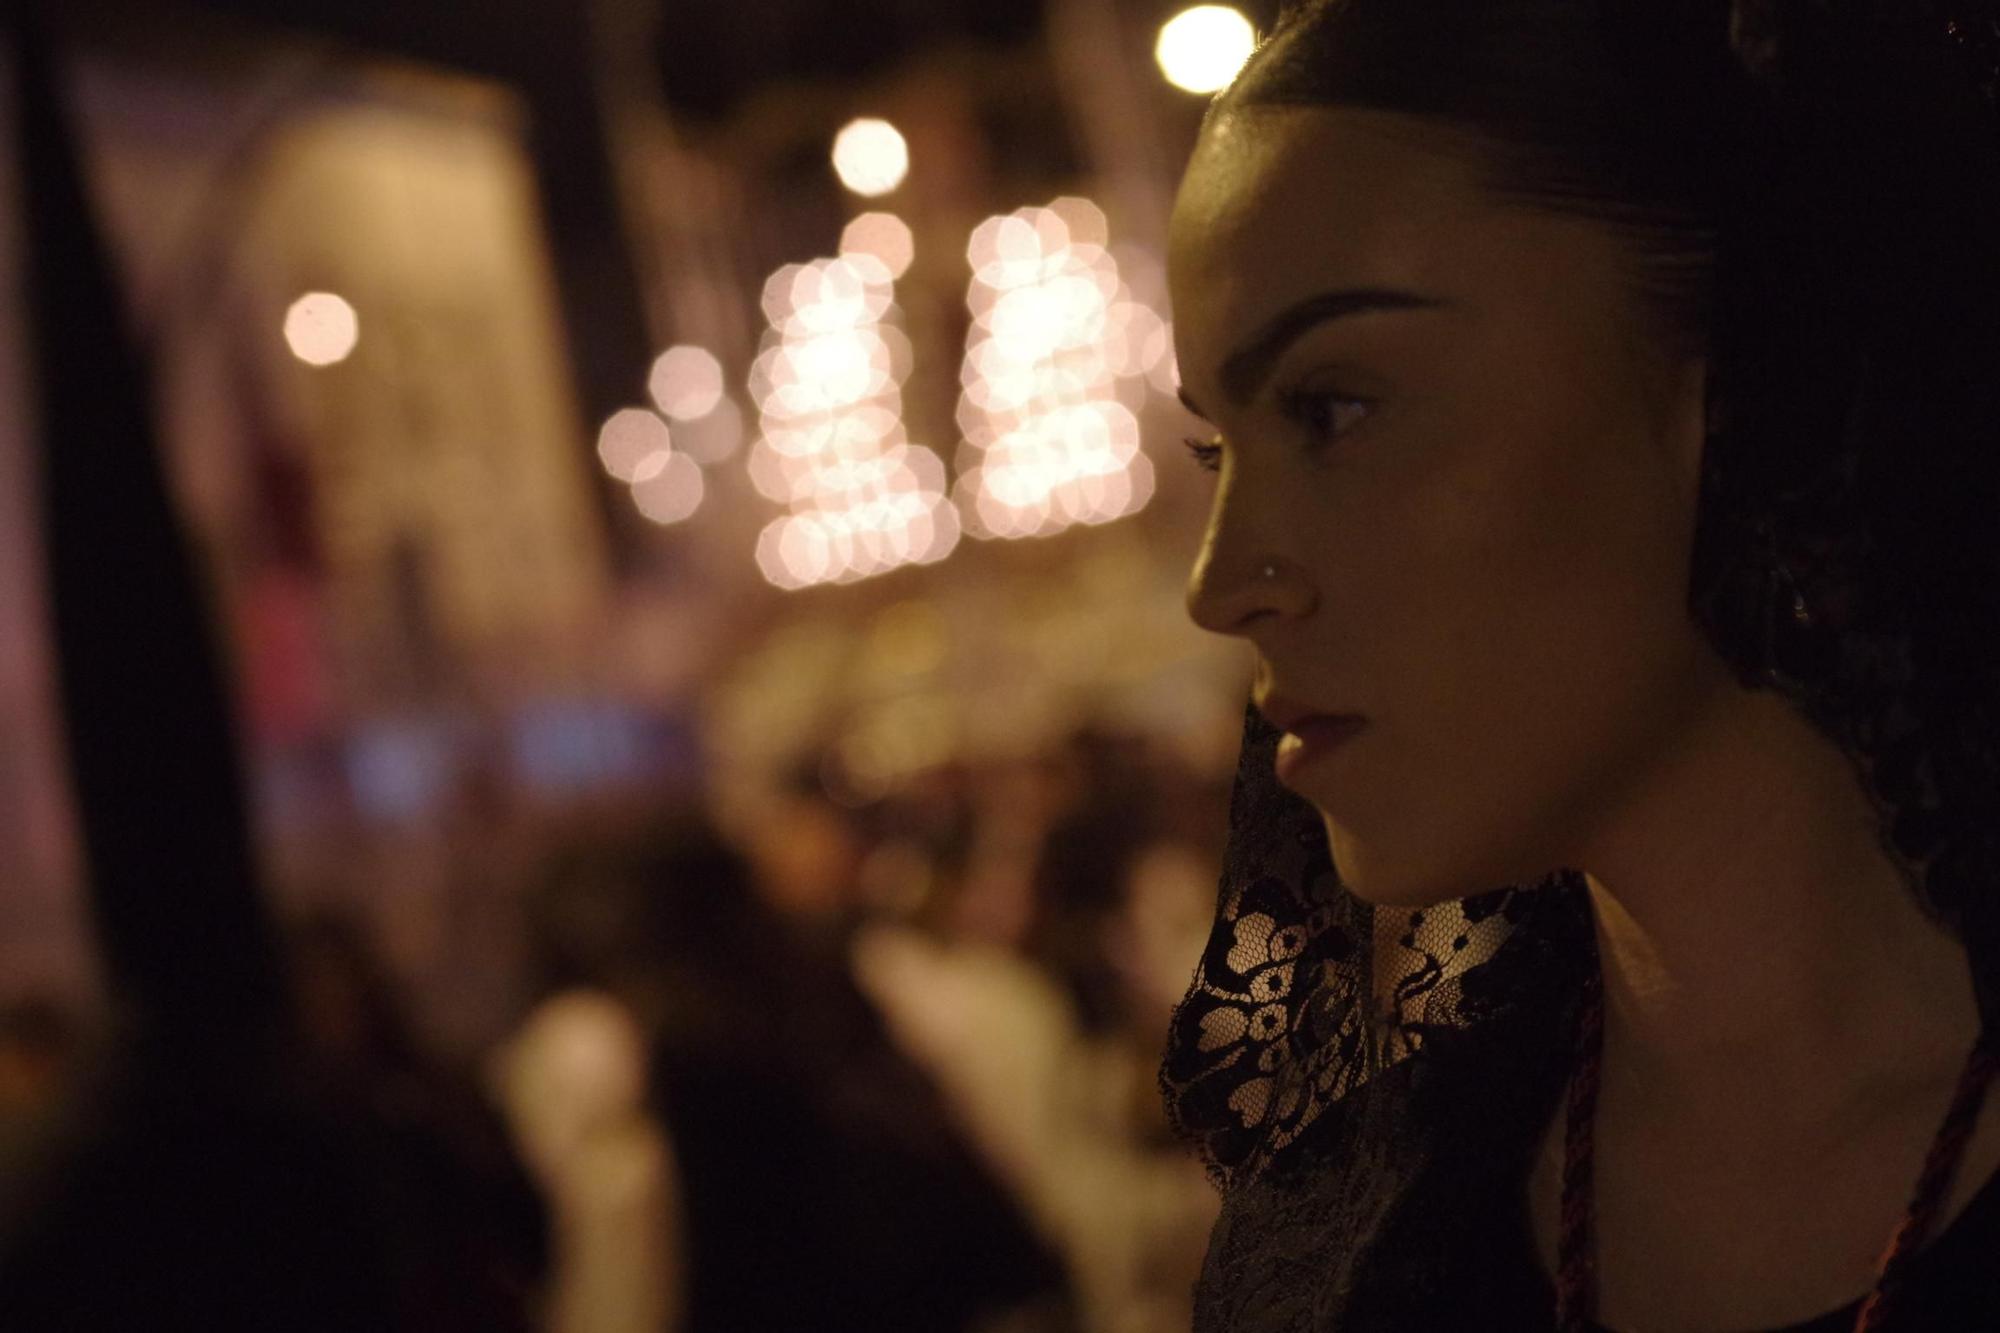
<point x="1290" y="1066"/>
<point x="1305" y="993"/>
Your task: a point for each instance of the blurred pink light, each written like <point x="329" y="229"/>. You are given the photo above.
<point x="629" y="438"/>
<point x="672" y="492"/>
<point x="686" y="383"/>
<point x="883" y="237"/>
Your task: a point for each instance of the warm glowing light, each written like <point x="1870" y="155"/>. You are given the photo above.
<point x="883" y="237"/>
<point x="322" y="329"/>
<point x="1054" y="369"/>
<point x="668" y="488"/>
<point x="686" y="383"/>
<point x="630" y="439"/>
<point x="1201" y="50"/>
<point x="871" y="157"/>
<point x="831" y="447"/>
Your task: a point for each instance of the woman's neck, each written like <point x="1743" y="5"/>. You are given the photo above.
<point x="1757" y="942"/>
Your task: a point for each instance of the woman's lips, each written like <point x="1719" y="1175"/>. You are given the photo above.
<point x="1311" y="739"/>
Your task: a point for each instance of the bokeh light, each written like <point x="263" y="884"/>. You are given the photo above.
<point x="861" y="499"/>
<point x="1203" y="49"/>
<point x="630" y="439"/>
<point x="322" y="329"/>
<point x="871" y="157"/>
<point x="882" y="236"/>
<point x="1060" y="355"/>
<point x="686" y="383"/>
<point x="668" y="488"/>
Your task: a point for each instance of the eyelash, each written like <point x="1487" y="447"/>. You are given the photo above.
<point x="1207" y="454"/>
<point x="1297" y="405"/>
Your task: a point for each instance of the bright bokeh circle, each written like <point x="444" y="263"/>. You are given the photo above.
<point x="871" y="157"/>
<point x="321" y="329"/>
<point x="1201" y="50"/>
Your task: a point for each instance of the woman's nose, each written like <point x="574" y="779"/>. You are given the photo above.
<point x="1228" y="592"/>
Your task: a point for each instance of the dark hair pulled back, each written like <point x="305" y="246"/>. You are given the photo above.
<point x="1809" y="193"/>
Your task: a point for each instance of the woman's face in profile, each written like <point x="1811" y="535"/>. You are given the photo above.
<point x="1480" y="499"/>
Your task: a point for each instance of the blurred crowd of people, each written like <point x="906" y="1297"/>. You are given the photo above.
<point x="806" y="1062"/>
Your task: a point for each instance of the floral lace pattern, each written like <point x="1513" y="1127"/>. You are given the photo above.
<point x="1305" y="992"/>
<point x="1292" y="1067"/>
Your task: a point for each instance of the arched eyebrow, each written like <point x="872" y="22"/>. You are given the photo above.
<point x="1245" y="370"/>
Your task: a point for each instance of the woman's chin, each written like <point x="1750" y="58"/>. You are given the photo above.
<point x="1382" y="881"/>
<point x="1402" y="882"/>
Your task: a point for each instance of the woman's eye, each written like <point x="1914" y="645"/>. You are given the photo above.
<point x="1324" y="416"/>
<point x="1207" y="454"/>
<point x="1319" y="412"/>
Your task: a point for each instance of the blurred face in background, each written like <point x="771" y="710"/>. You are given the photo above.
<point x="1477" y="487"/>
